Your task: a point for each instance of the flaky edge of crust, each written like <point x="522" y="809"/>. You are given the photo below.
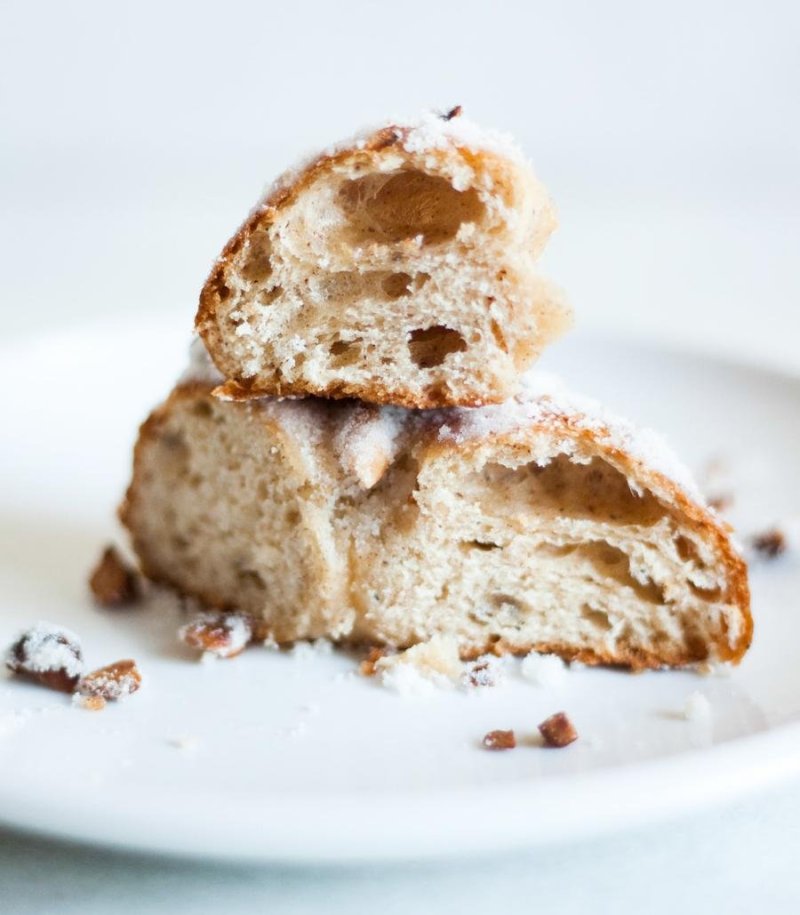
<point x="434" y="399"/>
<point x="663" y="488"/>
<point x="283" y="195"/>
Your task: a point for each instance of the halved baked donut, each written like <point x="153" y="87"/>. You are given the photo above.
<point x="540" y="524"/>
<point x="397" y="267"/>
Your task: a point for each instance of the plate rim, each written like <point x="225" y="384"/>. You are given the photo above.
<point x="688" y="781"/>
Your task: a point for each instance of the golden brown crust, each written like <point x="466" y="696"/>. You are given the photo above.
<point x="148" y="432"/>
<point x="631" y="658"/>
<point x="434" y="398"/>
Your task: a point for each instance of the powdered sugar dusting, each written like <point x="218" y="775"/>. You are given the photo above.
<point x="430" y="130"/>
<point x="112" y="683"/>
<point x="367" y="442"/>
<point x="48" y="647"/>
<point x="366" y="439"/>
<point x="423" y="668"/>
<point x="544" y="400"/>
<point x="545" y="670"/>
<point x="419" y="134"/>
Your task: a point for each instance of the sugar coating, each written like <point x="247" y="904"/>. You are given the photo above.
<point x="429" y="130"/>
<point x="49" y="647"/>
<point x="419" y="134"/>
<point x="422" y="669"/>
<point x="109" y="686"/>
<point x="410" y="681"/>
<point x="545" y="400"/>
<point x="367" y="442"/>
<point x="546" y="670"/>
<point x="368" y="437"/>
<point x="240" y="632"/>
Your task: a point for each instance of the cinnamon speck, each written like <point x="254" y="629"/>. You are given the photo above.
<point x="452" y="113"/>
<point x="482" y="673"/>
<point x="770" y="544"/>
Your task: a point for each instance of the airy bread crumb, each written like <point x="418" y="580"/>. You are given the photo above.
<point x="397" y="268"/>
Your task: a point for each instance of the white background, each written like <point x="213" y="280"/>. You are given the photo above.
<point x="134" y="137"/>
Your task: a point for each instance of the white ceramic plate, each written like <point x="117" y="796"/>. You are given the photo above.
<point x="290" y="757"/>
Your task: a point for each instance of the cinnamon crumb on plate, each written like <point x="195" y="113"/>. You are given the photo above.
<point x="558" y="731"/>
<point x="499" y="740"/>
<point x="113" y="582"/>
<point x="112" y="682"/>
<point x="47" y="654"/>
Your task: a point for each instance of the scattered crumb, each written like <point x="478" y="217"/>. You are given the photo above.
<point x="558" y="731"/>
<point x="422" y="668"/>
<point x="697" y="708"/>
<point x="546" y="670"/>
<point x="453" y="113"/>
<point x="310" y="709"/>
<point x="722" y="502"/>
<point x="48" y="654"/>
<point x="297" y="730"/>
<point x="499" y="740"/>
<point x="91" y="703"/>
<point x="770" y="543"/>
<point x="485" y="671"/>
<point x="223" y="635"/>
<point x="113" y="582"/>
<point x="368" y="667"/>
<point x="408" y="680"/>
<point x="111" y="683"/>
